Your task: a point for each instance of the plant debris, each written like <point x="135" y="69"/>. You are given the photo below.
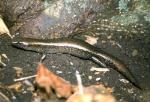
<point x="1" y="62"/>
<point x="25" y="78"/>
<point x="93" y="93"/>
<point x="16" y="86"/>
<point x="3" y="28"/>
<point x="91" y="40"/>
<point x="135" y="53"/>
<point x="49" y="81"/>
<point x="4" y="98"/>
<point x="19" y="71"/>
<point x="63" y="89"/>
<point x="100" y="69"/>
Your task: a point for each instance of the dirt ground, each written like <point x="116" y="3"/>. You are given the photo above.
<point x="130" y="44"/>
<point x="66" y="65"/>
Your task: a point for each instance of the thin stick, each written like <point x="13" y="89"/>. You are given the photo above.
<point x="25" y="78"/>
<point x="42" y="58"/>
<point x="80" y="86"/>
<point x="1" y="61"/>
<point x="100" y="69"/>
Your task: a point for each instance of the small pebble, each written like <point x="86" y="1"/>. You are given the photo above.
<point x="96" y="73"/>
<point x="135" y="52"/>
<point x="97" y="79"/>
<point x="91" y="40"/>
<point x="124" y="80"/>
<point x="71" y="63"/>
<point x="103" y="41"/>
<point x="90" y="77"/>
<point x="14" y="97"/>
<point x="130" y="91"/>
<point x="59" y="72"/>
<point x="109" y="37"/>
<point x="53" y="66"/>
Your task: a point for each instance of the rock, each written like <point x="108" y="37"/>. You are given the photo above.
<point x="135" y="53"/>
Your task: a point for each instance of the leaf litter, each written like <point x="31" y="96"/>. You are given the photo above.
<point x="53" y="84"/>
<point x="48" y="84"/>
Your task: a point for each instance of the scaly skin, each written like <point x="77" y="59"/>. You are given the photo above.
<point x="76" y="48"/>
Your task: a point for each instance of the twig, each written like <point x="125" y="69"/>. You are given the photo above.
<point x="100" y="69"/>
<point x="118" y="45"/>
<point x="80" y="86"/>
<point x="1" y="61"/>
<point x="4" y="97"/>
<point x="42" y="58"/>
<point x="25" y="78"/>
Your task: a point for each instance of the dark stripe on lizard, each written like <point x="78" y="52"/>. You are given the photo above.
<point x="76" y="48"/>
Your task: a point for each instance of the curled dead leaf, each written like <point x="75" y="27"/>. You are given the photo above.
<point x="49" y="81"/>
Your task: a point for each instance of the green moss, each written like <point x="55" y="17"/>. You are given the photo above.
<point x="126" y="19"/>
<point x="123" y="5"/>
<point x="140" y="12"/>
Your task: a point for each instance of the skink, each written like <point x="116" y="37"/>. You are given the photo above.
<point x="76" y="48"/>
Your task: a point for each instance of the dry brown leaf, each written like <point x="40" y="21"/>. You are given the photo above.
<point x="43" y="79"/>
<point x="93" y="93"/>
<point x="92" y="98"/>
<point x="16" y="86"/>
<point x="91" y="40"/>
<point x="48" y="80"/>
<point x="3" y="28"/>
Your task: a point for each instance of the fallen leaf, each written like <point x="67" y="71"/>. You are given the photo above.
<point x="16" y="86"/>
<point x="93" y="93"/>
<point x="43" y="78"/>
<point x="48" y="80"/>
<point x="3" y="28"/>
<point x="91" y="40"/>
<point x="62" y="88"/>
<point x="93" y="98"/>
